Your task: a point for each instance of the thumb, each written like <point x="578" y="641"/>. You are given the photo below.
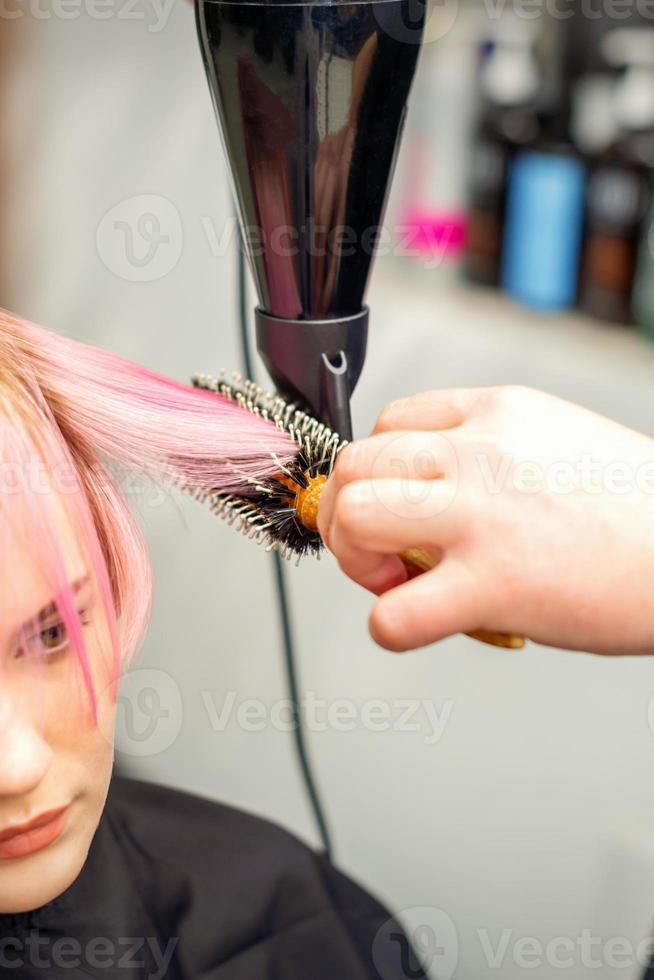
<point x="427" y="608"/>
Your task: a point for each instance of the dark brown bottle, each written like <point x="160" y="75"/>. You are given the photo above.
<point x="616" y="207"/>
<point x="619" y="186"/>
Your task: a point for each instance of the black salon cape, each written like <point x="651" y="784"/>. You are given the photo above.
<point x="180" y="887"/>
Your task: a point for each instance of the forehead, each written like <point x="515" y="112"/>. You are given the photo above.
<point x="39" y="546"/>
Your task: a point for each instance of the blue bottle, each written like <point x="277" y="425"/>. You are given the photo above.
<point x="544" y="226"/>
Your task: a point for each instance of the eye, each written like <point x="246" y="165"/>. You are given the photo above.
<point x="54" y="637"/>
<point x="52" y="640"/>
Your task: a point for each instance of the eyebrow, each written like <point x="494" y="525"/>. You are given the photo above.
<point x="51" y="608"/>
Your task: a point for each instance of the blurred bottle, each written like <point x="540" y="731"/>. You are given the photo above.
<point x="622" y="117"/>
<point x="545" y="196"/>
<point x="522" y="71"/>
<point x="509" y="84"/>
<point x="544" y="220"/>
<point x="643" y="293"/>
<point x="634" y="49"/>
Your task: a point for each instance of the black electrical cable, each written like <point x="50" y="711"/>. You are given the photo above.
<point x="283" y="600"/>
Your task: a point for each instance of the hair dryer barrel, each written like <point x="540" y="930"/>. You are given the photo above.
<point x="310" y="99"/>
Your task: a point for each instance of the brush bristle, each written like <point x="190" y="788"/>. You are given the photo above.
<point x="264" y="510"/>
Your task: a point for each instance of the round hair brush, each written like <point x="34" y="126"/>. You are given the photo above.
<point x="281" y="510"/>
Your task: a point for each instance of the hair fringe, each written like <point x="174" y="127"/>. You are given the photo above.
<point x="102" y="412"/>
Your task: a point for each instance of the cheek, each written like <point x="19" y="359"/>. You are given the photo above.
<point x="75" y="732"/>
<point x="76" y="738"/>
<point x="84" y="755"/>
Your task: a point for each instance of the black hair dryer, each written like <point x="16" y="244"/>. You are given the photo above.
<point x="310" y="98"/>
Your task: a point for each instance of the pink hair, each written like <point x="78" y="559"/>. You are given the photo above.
<point x="77" y="409"/>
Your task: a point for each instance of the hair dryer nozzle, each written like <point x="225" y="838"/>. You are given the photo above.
<point x="315" y="362"/>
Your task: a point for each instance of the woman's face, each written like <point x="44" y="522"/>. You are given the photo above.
<point x="55" y="762"/>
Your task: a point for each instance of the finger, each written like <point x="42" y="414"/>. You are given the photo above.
<point x="388" y="516"/>
<point x="372" y="571"/>
<point x="404" y="456"/>
<point x="444" y="408"/>
<point x="428" y="608"/>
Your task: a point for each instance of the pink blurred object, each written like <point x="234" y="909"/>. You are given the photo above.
<point x="434" y="233"/>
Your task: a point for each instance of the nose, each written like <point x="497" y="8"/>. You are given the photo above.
<point x="25" y="756"/>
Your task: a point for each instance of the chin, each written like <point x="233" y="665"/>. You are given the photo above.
<point x="28" y="882"/>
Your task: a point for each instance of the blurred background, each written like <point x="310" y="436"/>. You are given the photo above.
<point x="501" y="803"/>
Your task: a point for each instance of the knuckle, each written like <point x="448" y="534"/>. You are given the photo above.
<point x="484" y="447"/>
<point x="350" y="509"/>
<point x="347" y="463"/>
<point x="386" y="417"/>
<point x="352" y="568"/>
<point x="512" y="396"/>
<point x="345" y="567"/>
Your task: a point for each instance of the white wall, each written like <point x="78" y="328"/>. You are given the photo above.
<point x="533" y="812"/>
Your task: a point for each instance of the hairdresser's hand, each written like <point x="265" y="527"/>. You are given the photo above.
<point x="543" y="513"/>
